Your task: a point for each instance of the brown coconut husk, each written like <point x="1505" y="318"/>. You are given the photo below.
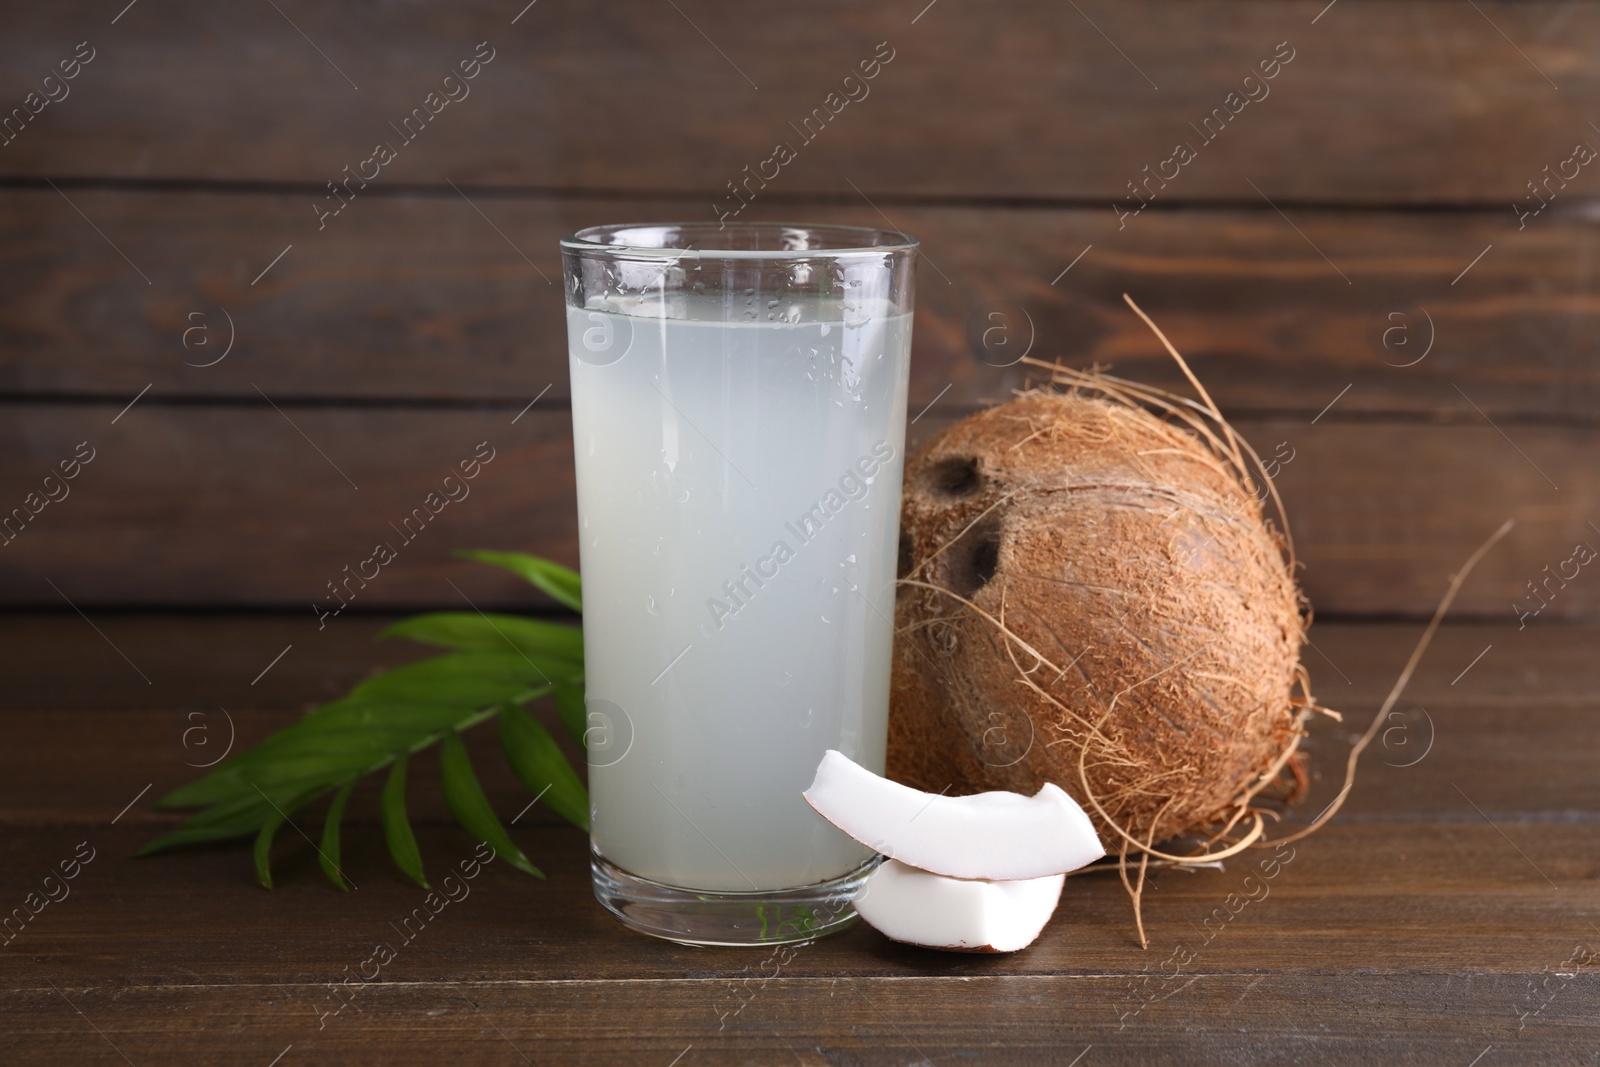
<point x="1092" y="594"/>
<point x="1108" y="573"/>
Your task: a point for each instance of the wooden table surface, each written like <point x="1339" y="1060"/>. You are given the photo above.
<point x="1449" y="913"/>
<point x="1382" y="267"/>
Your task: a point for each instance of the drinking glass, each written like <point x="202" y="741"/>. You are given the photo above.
<point x="738" y="423"/>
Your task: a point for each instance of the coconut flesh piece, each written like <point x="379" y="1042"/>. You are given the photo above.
<point x="930" y="891"/>
<point x="957" y="914"/>
<point x="997" y="836"/>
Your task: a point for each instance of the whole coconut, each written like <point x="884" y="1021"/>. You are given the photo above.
<point x="1081" y="578"/>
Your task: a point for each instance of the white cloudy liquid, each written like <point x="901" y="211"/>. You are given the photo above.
<point x="720" y="665"/>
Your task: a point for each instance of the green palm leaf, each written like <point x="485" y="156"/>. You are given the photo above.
<point x="539" y="765"/>
<point x="328" y="852"/>
<point x="269" y="828"/>
<point x="234" y="818"/>
<point x="397" y="827"/>
<point x="334" y="743"/>
<point x="471" y="808"/>
<point x="574" y="715"/>
<point x="559" y="583"/>
<point x="476" y="678"/>
<point x="497" y="664"/>
<point x="469" y="632"/>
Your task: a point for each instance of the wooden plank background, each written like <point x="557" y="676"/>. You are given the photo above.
<point x="1314" y="262"/>
<point x="417" y="298"/>
<point x="1039" y="104"/>
<point x="241" y="506"/>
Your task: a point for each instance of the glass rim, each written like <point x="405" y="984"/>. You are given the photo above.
<point x="891" y="241"/>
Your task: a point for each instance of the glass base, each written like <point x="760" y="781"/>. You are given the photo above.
<point x="714" y="917"/>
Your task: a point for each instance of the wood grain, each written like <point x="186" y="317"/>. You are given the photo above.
<point x="1339" y="902"/>
<point x="1425" y="923"/>
<point x="254" y="506"/>
<point x="1444" y="745"/>
<point x="1044" y="103"/>
<point x="1356" y="916"/>
<point x="420" y="299"/>
<point x="1247" y="1019"/>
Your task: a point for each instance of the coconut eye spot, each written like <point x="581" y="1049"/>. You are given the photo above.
<point x="986" y="559"/>
<point x="957" y="476"/>
<point x="976" y="558"/>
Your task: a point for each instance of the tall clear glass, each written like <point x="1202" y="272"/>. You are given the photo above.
<point x="738" y="421"/>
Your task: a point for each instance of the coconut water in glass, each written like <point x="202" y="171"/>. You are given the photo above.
<point x="738" y="408"/>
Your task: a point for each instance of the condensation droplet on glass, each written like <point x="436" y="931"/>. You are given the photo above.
<point x="785" y="678"/>
<point x="651" y="606"/>
<point x="806" y="717"/>
<point x="678" y="783"/>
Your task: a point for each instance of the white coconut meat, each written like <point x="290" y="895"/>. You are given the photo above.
<point x="931" y="910"/>
<point x="998" y="836"/>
